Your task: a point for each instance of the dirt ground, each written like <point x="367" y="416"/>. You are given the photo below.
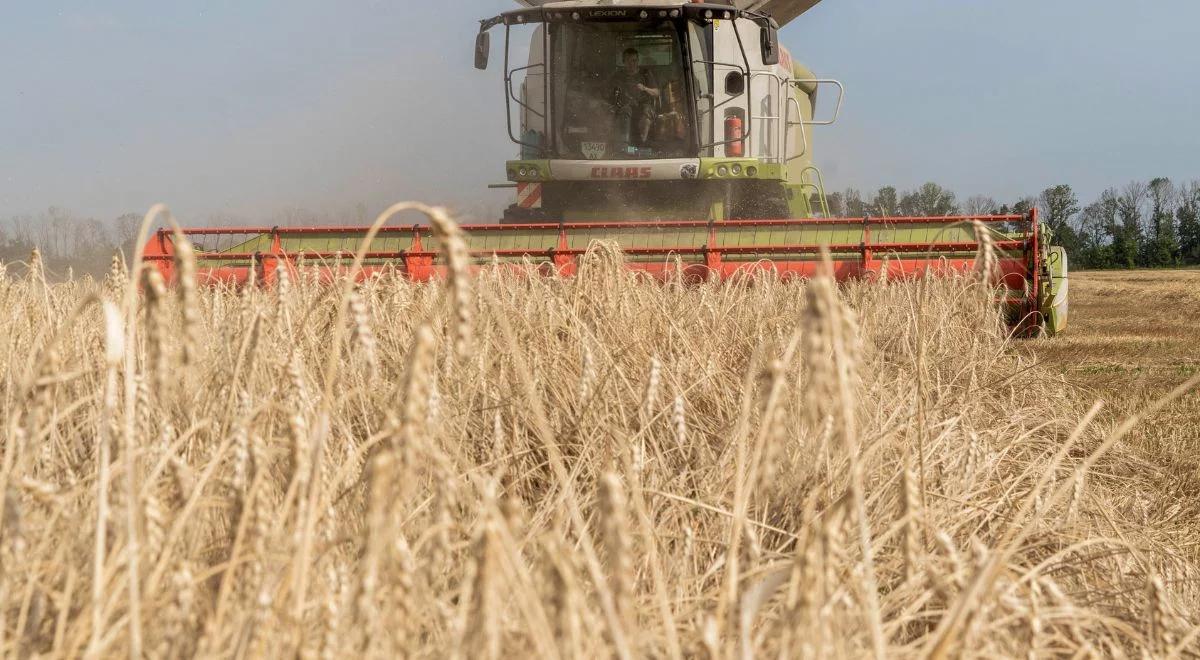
<point x="1132" y="334"/>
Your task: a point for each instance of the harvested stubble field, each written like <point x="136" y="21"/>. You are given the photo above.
<point x="521" y="466"/>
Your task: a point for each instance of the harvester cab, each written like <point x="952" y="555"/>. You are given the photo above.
<point x="614" y="105"/>
<point x="683" y="132"/>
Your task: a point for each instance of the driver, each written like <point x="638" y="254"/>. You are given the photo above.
<point x="634" y="95"/>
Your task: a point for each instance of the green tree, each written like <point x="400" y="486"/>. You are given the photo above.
<point x="1188" y="214"/>
<point x="837" y="204"/>
<point x="1058" y="205"/>
<point x="885" y="202"/>
<point x="1092" y="227"/>
<point x="928" y="200"/>
<point x="1023" y="205"/>
<point x="855" y="206"/>
<point x="1162" y="247"/>
<point x="1126" y="223"/>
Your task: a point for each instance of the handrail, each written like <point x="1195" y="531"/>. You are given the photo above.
<point x="837" y="110"/>
<point x="787" y="129"/>
<point x="818" y="185"/>
<point x="508" y="80"/>
<point x="774" y="123"/>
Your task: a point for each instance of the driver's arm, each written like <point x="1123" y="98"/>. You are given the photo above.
<point x="649" y="86"/>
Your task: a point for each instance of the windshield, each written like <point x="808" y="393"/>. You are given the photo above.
<point x="619" y="91"/>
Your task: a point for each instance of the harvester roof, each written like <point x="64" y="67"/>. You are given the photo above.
<point x="783" y="11"/>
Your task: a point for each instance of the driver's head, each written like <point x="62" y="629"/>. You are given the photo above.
<point x="630" y="58"/>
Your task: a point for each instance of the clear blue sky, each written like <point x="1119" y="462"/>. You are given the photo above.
<point x="250" y="107"/>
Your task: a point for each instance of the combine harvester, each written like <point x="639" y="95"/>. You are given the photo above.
<point x="681" y="130"/>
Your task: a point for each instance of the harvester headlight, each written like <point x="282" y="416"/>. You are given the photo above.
<point x="644" y="14"/>
<point x="575" y="15"/>
<point x="523" y="172"/>
<point x="736" y="169"/>
<point x="674" y="13"/>
<point x="662" y="13"/>
<point x="708" y="14"/>
<point x="722" y="171"/>
<point x="521" y="18"/>
<point x="752" y="171"/>
<point x="727" y="15"/>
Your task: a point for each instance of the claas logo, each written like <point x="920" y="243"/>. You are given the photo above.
<point x="621" y="172"/>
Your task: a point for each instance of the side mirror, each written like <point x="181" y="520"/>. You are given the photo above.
<point x="483" y="49"/>
<point x="735" y="83"/>
<point x="770" y="44"/>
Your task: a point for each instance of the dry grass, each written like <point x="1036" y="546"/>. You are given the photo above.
<point x="519" y="466"/>
<point x="1134" y="337"/>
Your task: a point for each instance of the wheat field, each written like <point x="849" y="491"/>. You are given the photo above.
<point x="500" y="464"/>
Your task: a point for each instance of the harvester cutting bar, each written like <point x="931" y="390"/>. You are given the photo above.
<point x="858" y="247"/>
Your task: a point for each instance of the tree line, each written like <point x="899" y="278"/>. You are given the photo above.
<point x="75" y="244"/>
<point x="1153" y="224"/>
<point x="66" y="241"/>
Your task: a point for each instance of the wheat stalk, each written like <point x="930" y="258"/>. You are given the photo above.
<point x="274" y="505"/>
<point x="615" y="525"/>
<point x="458" y="279"/>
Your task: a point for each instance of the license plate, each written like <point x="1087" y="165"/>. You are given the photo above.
<point x="594" y="150"/>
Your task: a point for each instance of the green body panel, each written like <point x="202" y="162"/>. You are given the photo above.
<point x="535" y="170"/>
<point x="345" y="242"/>
<point x="799" y="203"/>
<point x="543" y="170"/>
<point x="1054" y="291"/>
<point x="709" y="169"/>
<point x="543" y="241"/>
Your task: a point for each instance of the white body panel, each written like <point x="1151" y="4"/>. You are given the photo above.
<point x="533" y="89"/>
<point x="773" y="100"/>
